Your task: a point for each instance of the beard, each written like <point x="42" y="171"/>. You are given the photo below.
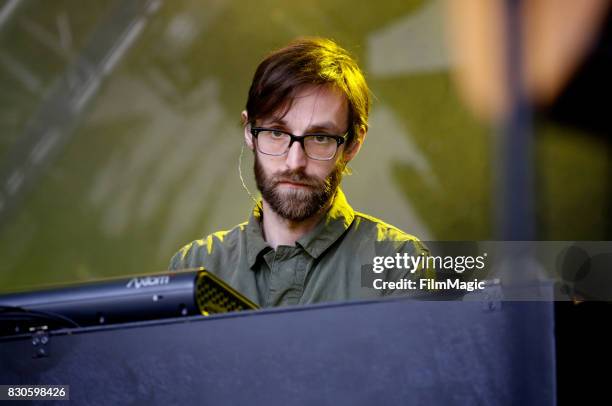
<point x="296" y="204"/>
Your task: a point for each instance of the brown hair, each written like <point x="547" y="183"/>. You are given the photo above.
<point x="308" y="61"/>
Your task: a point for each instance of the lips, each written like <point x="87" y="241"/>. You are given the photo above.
<point x="284" y="182"/>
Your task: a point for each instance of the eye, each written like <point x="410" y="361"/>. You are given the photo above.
<point x="321" y="139"/>
<point x="277" y="134"/>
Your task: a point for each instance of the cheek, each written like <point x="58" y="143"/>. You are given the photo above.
<point x="270" y="164"/>
<point x="321" y="169"/>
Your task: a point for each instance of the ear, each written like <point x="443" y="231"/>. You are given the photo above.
<point x="248" y="137"/>
<point x="353" y="149"/>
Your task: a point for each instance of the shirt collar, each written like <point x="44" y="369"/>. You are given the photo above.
<point x="335" y="222"/>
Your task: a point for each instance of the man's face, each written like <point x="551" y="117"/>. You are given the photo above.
<point x="295" y="186"/>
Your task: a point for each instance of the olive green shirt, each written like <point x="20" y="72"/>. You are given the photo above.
<point x="326" y="264"/>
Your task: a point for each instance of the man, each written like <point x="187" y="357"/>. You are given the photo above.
<point x="306" y="118"/>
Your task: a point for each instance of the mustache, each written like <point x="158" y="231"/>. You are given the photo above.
<point x="296" y="177"/>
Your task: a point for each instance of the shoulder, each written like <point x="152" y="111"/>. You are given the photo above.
<point x="382" y="232"/>
<point x="196" y="253"/>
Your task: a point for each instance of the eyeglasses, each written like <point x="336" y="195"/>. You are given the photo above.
<point x="321" y="147"/>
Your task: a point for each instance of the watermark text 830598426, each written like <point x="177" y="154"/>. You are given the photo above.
<point x="34" y="392"/>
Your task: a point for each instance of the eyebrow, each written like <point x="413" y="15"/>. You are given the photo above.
<point x="324" y="126"/>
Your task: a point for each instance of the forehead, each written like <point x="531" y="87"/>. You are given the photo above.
<point x="313" y="106"/>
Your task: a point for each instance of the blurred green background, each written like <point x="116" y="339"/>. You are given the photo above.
<point x="120" y="135"/>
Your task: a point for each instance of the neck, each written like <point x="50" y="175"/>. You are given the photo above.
<point x="280" y="231"/>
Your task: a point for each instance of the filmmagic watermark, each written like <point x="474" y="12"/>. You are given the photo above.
<point x="429" y="284"/>
<point x="509" y="270"/>
<point x="424" y="264"/>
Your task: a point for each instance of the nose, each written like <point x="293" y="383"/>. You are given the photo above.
<point x="296" y="157"/>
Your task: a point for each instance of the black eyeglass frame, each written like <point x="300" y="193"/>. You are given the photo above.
<point x="340" y="139"/>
